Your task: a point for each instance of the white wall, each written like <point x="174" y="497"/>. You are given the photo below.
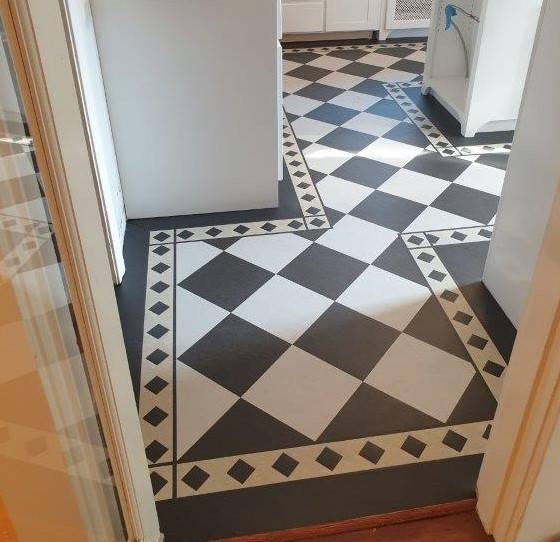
<point x="532" y="177"/>
<point x="541" y="522"/>
<point x="192" y="93"/>
<point x="85" y="44"/>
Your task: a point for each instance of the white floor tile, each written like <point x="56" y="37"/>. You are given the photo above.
<point x="329" y="63"/>
<point x="418" y="56"/>
<point x="435" y="219"/>
<point x="283" y="308"/>
<point x="341" y="80"/>
<point x="358" y="238"/>
<point x="414" y="186"/>
<point x="391" y="152"/>
<point x="422" y="376"/>
<point x="195" y="317"/>
<point x="293" y="84"/>
<point x="200" y="404"/>
<point x="342" y="195"/>
<point x="289" y="65"/>
<point x="388" y="75"/>
<point x="272" y="252"/>
<point x="302" y="391"/>
<point x="371" y="124"/>
<point x="325" y="159"/>
<point x="310" y="129"/>
<point x="485" y="178"/>
<point x="375" y="59"/>
<point x="298" y="105"/>
<point x="192" y="256"/>
<point x="385" y="297"/>
<point x="354" y="100"/>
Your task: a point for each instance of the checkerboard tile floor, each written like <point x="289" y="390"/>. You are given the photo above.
<point x="297" y="355"/>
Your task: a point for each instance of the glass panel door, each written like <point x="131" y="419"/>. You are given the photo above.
<point x="55" y="477"/>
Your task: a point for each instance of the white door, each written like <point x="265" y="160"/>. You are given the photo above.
<point x="352" y="15"/>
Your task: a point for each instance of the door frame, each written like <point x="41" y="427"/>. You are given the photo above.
<point x="529" y="406"/>
<point x="51" y="100"/>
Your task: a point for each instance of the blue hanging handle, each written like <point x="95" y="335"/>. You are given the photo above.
<point x="450" y="12"/>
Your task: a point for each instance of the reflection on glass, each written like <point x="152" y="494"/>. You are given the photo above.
<point x="55" y="481"/>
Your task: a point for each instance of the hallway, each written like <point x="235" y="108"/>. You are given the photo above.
<point x="340" y="345"/>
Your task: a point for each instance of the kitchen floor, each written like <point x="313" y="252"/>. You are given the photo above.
<point x="336" y="357"/>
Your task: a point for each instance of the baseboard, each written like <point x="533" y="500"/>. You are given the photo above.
<point x="359" y="524"/>
<point x="327" y="36"/>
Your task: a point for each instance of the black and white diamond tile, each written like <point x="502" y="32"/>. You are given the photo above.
<point x="282" y="338"/>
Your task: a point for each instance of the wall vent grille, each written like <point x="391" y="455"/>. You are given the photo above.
<point x="413" y="10"/>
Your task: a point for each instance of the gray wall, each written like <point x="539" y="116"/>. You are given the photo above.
<point x="192" y="94"/>
<point x="532" y="178"/>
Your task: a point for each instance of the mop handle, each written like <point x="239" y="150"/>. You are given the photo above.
<point x="465" y="12"/>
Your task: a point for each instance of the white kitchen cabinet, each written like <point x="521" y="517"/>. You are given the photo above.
<point x="349" y="15"/>
<point x="303" y="16"/>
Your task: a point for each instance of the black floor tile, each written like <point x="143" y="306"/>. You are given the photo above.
<point x="397" y="260"/>
<point x="302" y="58"/>
<point x="348" y="54"/>
<point x="323" y="270"/>
<point x="347" y="140"/>
<point x="348" y="340"/>
<point x="333" y="114"/>
<point x="360" y="69"/>
<point x="309" y="73"/>
<point x="387" y="108"/>
<point x="366" y="172"/>
<point x="435" y="165"/>
<point x="411" y="66"/>
<point x="407" y="133"/>
<point x="468" y="202"/>
<point x="373" y="88"/>
<point x="317" y="91"/>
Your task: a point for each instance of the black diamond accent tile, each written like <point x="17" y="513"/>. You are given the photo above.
<point x="317" y="222"/>
<point x="463" y="318"/>
<point x="437" y="275"/>
<point x="303" y="185"/>
<point x="155" y="416"/>
<point x="268" y="227"/>
<point x="155" y="450"/>
<point x="235" y="354"/>
<point x="159" y="308"/>
<point x="162" y="236"/>
<point x="493" y="369"/>
<point x="285" y="464"/>
<point x="295" y="224"/>
<point x="299" y="174"/>
<point x="226" y="281"/>
<point x="157" y="356"/>
<point x="372" y="452"/>
<point x="159" y="287"/>
<point x="213" y="232"/>
<point x="329" y="458"/>
<point x="156" y="384"/>
<point x="454" y="440"/>
<point x="433" y="239"/>
<point x="413" y="446"/>
<point x="415" y="240"/>
<point x="241" y="229"/>
<point x="487" y="431"/>
<point x="241" y="471"/>
<point x="161" y="250"/>
<point x="485" y="233"/>
<point x="457" y="235"/>
<point x="323" y="270"/>
<point x="158" y="331"/>
<point x="160" y="267"/>
<point x="295" y="163"/>
<point x="185" y="234"/>
<point x="477" y="342"/>
<point x="195" y="478"/>
<point x="425" y="257"/>
<point x="448" y="295"/>
<point x="158" y="482"/>
<point x="308" y="197"/>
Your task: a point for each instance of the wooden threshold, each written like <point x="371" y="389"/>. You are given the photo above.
<point x="359" y="524"/>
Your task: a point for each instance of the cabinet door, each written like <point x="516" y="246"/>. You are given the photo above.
<point x="353" y="14"/>
<point x="302" y="16"/>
